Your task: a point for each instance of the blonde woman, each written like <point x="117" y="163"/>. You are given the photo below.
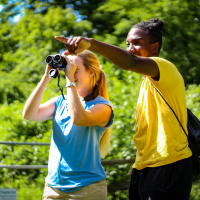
<point x="80" y="130"/>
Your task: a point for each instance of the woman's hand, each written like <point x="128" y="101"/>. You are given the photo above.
<point x="70" y="69"/>
<point x="47" y="70"/>
<point x="74" y="45"/>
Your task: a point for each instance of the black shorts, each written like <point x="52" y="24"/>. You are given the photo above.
<point x="168" y="182"/>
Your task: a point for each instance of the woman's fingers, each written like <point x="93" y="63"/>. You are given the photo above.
<point x="66" y="53"/>
<point x="47" y="70"/>
<point x="71" y="68"/>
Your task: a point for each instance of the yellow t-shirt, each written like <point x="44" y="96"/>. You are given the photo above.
<point x="159" y="138"/>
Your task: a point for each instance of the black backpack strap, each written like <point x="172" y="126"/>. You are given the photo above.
<point x="171" y="109"/>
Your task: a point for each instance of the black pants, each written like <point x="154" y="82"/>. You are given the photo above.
<point x="168" y="182"/>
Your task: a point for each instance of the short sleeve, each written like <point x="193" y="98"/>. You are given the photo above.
<point x="101" y="100"/>
<point x="169" y="75"/>
<point x="110" y="122"/>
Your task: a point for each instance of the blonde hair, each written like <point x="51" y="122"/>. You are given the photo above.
<point x="98" y="83"/>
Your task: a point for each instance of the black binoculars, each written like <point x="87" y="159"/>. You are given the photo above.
<point x="56" y="62"/>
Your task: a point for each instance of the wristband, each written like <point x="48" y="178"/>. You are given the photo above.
<point x="70" y="84"/>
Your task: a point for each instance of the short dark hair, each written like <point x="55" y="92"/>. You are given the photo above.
<point x="154" y="27"/>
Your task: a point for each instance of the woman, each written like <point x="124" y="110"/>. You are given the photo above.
<point x="163" y="165"/>
<point x="79" y="130"/>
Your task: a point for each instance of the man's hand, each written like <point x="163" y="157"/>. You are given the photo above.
<point x="74" y="45"/>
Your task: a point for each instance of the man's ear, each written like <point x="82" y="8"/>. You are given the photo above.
<point x="155" y="47"/>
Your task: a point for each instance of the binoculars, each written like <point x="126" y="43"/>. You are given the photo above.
<point x="56" y="62"/>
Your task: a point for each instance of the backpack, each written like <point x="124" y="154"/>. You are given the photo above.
<point x="193" y="136"/>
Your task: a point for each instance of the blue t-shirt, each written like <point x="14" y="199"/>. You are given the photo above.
<point x="74" y="157"/>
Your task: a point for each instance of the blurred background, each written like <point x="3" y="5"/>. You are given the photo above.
<point x="27" y="30"/>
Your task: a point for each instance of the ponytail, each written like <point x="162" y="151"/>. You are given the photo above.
<point x="105" y="139"/>
<point x="101" y="85"/>
<point x="98" y="83"/>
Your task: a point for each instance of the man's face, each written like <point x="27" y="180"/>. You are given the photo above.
<point x="139" y="43"/>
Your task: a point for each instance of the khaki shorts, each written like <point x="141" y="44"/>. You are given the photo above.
<point x="95" y="191"/>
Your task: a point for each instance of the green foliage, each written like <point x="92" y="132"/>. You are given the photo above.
<point x="25" y="44"/>
<point x="13" y="128"/>
<point x="193" y="99"/>
<point x="195" y="194"/>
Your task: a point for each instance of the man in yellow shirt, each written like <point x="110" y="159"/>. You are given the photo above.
<point x="163" y="166"/>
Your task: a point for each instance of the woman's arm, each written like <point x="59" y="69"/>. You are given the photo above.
<point x="32" y="109"/>
<point x="98" y="115"/>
